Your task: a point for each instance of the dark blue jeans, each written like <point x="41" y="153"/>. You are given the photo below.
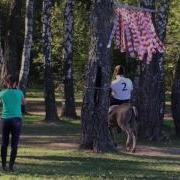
<point x="13" y="127"/>
<point x="10" y="126"/>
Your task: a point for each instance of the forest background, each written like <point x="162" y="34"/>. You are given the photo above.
<point x="81" y="43"/>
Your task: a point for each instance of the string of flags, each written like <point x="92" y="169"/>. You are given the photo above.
<point x="135" y="34"/>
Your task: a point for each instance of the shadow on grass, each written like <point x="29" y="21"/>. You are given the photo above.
<point x="93" y="167"/>
<point x="63" y="127"/>
<point x="168" y="160"/>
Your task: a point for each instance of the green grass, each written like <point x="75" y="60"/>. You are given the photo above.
<point x="42" y="163"/>
<point x="38" y="160"/>
<point x="36" y="125"/>
<point x="43" y="155"/>
<point x="39" y="93"/>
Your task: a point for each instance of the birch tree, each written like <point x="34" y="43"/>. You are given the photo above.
<point x="1" y="51"/>
<point x="1" y="58"/>
<point x="68" y="108"/>
<point x="176" y="98"/>
<point x="50" y="104"/>
<point x="25" y="64"/>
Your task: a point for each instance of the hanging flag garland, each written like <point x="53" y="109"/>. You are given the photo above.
<point x="135" y="34"/>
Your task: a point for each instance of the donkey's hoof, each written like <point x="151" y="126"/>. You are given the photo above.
<point x="128" y="149"/>
<point x="133" y="150"/>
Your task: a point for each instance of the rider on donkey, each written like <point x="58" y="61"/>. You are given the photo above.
<point x="121" y="87"/>
<point x="122" y="117"/>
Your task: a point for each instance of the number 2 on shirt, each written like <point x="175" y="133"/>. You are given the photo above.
<point x="124" y="86"/>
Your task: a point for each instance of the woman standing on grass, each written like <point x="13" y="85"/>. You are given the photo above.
<point x="12" y="99"/>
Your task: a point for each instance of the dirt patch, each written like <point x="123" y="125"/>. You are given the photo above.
<point x="37" y="108"/>
<point x="65" y="142"/>
<point x="157" y="151"/>
<point x="52" y="142"/>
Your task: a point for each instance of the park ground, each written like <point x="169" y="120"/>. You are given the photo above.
<point x="51" y="151"/>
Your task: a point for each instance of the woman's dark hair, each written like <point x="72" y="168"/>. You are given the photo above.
<point x="119" y="70"/>
<point x="11" y="80"/>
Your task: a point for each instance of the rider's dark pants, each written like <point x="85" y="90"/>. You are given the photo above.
<point x="114" y="101"/>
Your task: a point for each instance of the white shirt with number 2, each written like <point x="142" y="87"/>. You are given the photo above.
<point x="122" y="88"/>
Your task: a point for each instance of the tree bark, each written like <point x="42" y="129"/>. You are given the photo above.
<point x="161" y="20"/>
<point x="68" y="109"/>
<point x="50" y="104"/>
<point x="1" y="50"/>
<point x="95" y="134"/>
<point x="175" y="99"/>
<point x="12" y="39"/>
<point x="25" y="64"/>
<point x="1" y="54"/>
<point x="1" y="60"/>
<point x="151" y="95"/>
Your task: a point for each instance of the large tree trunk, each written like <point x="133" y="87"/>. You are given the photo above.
<point x="148" y="102"/>
<point x="11" y="46"/>
<point x="25" y="64"/>
<point x="68" y="108"/>
<point x="151" y="95"/>
<point x="50" y="104"/>
<point x="161" y="21"/>
<point x="176" y="99"/>
<point x="95" y="134"/>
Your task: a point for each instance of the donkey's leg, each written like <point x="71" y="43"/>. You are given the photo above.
<point x="125" y="130"/>
<point x="112" y="133"/>
<point x="132" y="141"/>
<point x="128" y="140"/>
<point x="133" y="148"/>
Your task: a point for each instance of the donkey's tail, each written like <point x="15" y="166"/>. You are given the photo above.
<point x="135" y="111"/>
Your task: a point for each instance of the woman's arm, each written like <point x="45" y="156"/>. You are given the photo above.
<point x="24" y="102"/>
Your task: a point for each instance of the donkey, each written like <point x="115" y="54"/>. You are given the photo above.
<point x="124" y="116"/>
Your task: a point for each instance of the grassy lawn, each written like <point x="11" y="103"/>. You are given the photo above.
<point x="50" y="151"/>
<point x="42" y="156"/>
<point x="44" y="163"/>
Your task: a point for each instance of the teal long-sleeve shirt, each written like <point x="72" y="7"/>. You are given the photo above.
<point x="11" y="100"/>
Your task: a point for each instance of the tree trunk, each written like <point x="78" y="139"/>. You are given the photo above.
<point x="1" y="60"/>
<point x="151" y="95"/>
<point x="25" y="64"/>
<point x="68" y="108"/>
<point x="95" y="134"/>
<point x="1" y="54"/>
<point x="175" y="99"/>
<point x="50" y="104"/>
<point x="161" y="20"/>
<point x="12" y="39"/>
<point x="148" y="102"/>
<point x="1" y="50"/>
